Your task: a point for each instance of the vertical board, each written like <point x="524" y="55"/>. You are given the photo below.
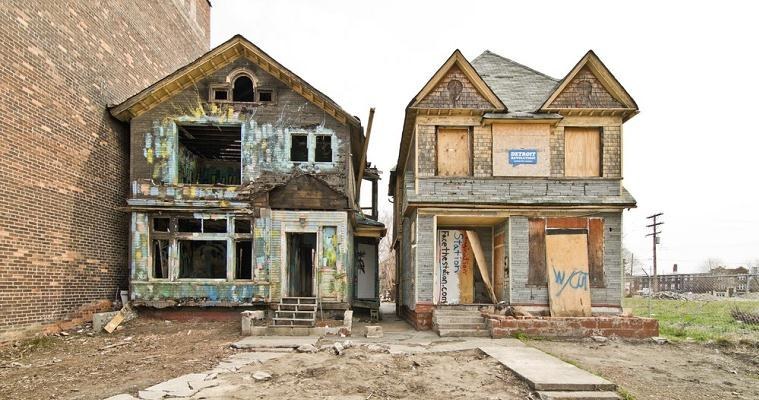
<point x="498" y="265"/>
<point x="568" y="286"/>
<point x="455" y="268"/>
<point x="582" y="151"/>
<point x="537" y="242"/>
<point x="596" y="252"/>
<point x="453" y="152"/>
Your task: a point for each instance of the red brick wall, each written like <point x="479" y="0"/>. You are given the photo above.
<point x="626" y="327"/>
<point x="420" y="317"/>
<point x="63" y="159"/>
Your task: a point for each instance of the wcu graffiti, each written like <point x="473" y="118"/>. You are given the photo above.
<point x="576" y="280"/>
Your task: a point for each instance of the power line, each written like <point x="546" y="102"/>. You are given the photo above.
<point x="655" y="239"/>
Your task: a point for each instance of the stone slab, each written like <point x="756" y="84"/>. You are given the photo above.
<point x="546" y="372"/>
<point x="99" y="320"/>
<point x="262" y="342"/>
<point x="582" y="395"/>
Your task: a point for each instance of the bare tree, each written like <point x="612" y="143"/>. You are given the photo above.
<point x="711" y="263"/>
<point x="630" y="263"/>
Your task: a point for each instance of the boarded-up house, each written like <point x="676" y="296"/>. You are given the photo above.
<point x="243" y="189"/>
<point x="508" y="189"/>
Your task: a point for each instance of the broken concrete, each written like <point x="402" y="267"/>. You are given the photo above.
<point x="374" y="332"/>
<point x="275" y="342"/>
<point x="546" y="372"/>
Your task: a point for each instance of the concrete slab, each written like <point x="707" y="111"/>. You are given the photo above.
<point x="99" y="320"/>
<point x="237" y="361"/>
<point x="274" y="342"/>
<point x="122" y="396"/>
<point x="546" y="372"/>
<point x="582" y="395"/>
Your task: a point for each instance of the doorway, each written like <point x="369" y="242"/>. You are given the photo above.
<point x="301" y="250"/>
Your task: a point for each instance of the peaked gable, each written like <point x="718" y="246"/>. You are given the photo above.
<point x="590" y="85"/>
<point x="222" y="55"/>
<point x="306" y="192"/>
<point x="456" y="84"/>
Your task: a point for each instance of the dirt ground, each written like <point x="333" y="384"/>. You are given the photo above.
<point x="80" y="366"/>
<point x="359" y="374"/>
<point x="677" y="371"/>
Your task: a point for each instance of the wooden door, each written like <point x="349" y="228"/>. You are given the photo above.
<point x="453" y="153"/>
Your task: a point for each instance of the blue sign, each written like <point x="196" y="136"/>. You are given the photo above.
<point x="525" y="156"/>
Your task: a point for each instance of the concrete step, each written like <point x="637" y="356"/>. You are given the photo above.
<point x="463" y="325"/>
<point x="458" y="320"/>
<point x="582" y="395"/>
<point x="544" y="372"/>
<point x="298" y="300"/>
<point x="292" y="322"/>
<point x="296" y="307"/>
<point x="457" y="312"/>
<point x="295" y="314"/>
<point x="463" y="333"/>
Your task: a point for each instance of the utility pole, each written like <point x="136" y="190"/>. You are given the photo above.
<point x="655" y="239"/>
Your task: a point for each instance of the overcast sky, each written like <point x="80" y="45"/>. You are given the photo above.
<point x="691" y="153"/>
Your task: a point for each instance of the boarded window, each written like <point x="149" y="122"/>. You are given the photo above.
<point x="299" y="148"/>
<point x="596" y="252"/>
<point x="323" y="151"/>
<point x="453" y="154"/>
<point x="537" y="241"/>
<point x="582" y="151"/>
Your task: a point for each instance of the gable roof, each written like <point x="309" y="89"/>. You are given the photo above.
<point x="604" y="76"/>
<point x="223" y="54"/>
<point x="521" y="88"/>
<point x="457" y="59"/>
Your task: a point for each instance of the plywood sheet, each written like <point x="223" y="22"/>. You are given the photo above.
<point x="567" y="223"/>
<point x="455" y="268"/>
<point x="521" y="137"/>
<point x="453" y="155"/>
<point x="582" y="151"/>
<point x="596" y="252"/>
<point x="537" y="252"/>
<point x="498" y="270"/>
<point x="568" y="282"/>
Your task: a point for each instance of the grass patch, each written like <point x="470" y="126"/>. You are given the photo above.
<point x="697" y="319"/>
<point x="39" y="342"/>
<point x="624" y="394"/>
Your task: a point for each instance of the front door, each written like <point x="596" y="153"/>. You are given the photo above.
<point x="301" y="250"/>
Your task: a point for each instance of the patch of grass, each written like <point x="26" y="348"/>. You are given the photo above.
<point x="696" y="319"/>
<point x="520" y="336"/>
<point x="624" y="394"/>
<point x="39" y="342"/>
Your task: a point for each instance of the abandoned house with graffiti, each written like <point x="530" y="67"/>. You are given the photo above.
<point x="244" y="189"/>
<point x="508" y="189"/>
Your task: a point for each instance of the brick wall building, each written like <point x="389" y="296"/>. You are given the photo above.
<point x="63" y="158"/>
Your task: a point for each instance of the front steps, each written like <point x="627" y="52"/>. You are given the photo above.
<point x="459" y="322"/>
<point x="295" y="311"/>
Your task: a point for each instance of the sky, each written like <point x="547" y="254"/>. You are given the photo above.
<point x="691" y="153"/>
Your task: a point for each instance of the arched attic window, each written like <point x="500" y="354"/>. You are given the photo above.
<point x="243" y="90"/>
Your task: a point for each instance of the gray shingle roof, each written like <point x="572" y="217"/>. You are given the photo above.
<point x="519" y="87"/>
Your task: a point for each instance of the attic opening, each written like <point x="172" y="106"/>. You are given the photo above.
<point x="209" y="154"/>
<point x="242" y="90"/>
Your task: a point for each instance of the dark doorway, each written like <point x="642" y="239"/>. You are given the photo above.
<point x="301" y="250"/>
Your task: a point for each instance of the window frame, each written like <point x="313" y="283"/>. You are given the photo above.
<point x="308" y="147"/>
<point x="331" y="147"/>
<point x="470" y="153"/>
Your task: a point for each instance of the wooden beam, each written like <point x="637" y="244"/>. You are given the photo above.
<point x="362" y="158"/>
<point x="482" y="264"/>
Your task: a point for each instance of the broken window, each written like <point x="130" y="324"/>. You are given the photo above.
<point x="265" y="96"/>
<point x="214" y="226"/>
<point x="199" y="225"/>
<point x="220" y="94"/>
<point x="202" y="259"/>
<point x="161" y="224"/>
<point x="209" y="154"/>
<point x="242" y="225"/>
<point x="323" y="151"/>
<point x="244" y="259"/>
<point x="299" y="148"/>
<point x="160" y="259"/>
<point x="243" y="90"/>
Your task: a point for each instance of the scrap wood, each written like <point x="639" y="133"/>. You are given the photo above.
<point x="110" y="346"/>
<point x="115" y="322"/>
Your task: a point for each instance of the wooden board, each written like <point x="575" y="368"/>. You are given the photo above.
<point x="306" y="193"/>
<point x="482" y="263"/>
<point x="515" y="136"/>
<point x="498" y="269"/>
<point x="582" y="151"/>
<point x="596" y="252"/>
<point x="537" y="253"/>
<point x="568" y="281"/>
<point x="567" y="223"/>
<point x="114" y="322"/>
<point x="455" y="265"/>
<point x="453" y="153"/>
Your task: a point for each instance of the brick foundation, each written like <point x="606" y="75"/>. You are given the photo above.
<point x="420" y="318"/>
<point x="575" y="327"/>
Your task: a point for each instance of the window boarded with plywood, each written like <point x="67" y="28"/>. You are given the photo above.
<point x="582" y="151"/>
<point x="453" y="152"/>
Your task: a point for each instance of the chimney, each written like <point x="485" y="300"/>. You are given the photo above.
<point x="674" y="269"/>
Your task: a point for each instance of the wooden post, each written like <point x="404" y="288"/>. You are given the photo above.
<point x="362" y="158"/>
